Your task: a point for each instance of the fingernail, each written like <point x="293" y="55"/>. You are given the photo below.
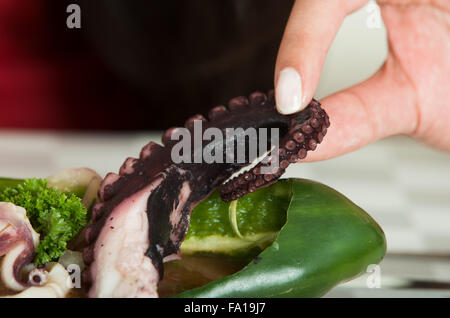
<point x="288" y="93"/>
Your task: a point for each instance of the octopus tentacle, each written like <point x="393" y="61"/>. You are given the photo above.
<point x="303" y="136"/>
<point x="18" y="242"/>
<point x="143" y="211"/>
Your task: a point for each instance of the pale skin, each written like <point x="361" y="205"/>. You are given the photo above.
<point x="409" y="94"/>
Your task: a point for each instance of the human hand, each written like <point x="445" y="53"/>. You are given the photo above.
<point x="409" y="94"/>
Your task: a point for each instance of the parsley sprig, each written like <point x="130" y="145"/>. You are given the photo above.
<point x="55" y="215"/>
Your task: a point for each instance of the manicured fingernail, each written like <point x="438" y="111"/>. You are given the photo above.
<point x="288" y="93"/>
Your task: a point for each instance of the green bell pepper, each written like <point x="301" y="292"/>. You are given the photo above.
<point x="326" y="240"/>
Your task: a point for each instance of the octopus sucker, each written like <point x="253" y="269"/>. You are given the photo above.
<point x="143" y="212"/>
<point x="237" y="103"/>
<point x="217" y="112"/>
<point x="106" y="186"/>
<point x="149" y="150"/>
<point x="128" y="166"/>
<point x="189" y="124"/>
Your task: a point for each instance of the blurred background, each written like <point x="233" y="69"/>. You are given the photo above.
<point x="132" y="63"/>
<point x="94" y="96"/>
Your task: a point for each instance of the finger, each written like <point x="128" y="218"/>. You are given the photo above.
<point x="382" y="106"/>
<point x="309" y="32"/>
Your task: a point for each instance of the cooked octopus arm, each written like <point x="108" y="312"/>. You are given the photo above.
<point x="143" y="212"/>
<point x="57" y="286"/>
<point x="17" y="243"/>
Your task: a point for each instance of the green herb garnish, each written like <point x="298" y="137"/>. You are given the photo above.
<point x="55" y="215"/>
